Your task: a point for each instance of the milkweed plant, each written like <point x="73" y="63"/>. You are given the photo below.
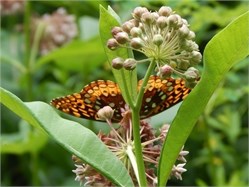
<point x="167" y="43"/>
<point x="133" y="153"/>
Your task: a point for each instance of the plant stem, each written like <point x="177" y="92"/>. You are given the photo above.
<point x="27" y="50"/>
<point x="35" y="45"/>
<point x="136" y="126"/>
<point x="145" y="81"/>
<point x="27" y="32"/>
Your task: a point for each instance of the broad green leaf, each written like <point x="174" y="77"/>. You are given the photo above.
<point x="77" y="139"/>
<point x="83" y="56"/>
<point x="226" y="49"/>
<point x="109" y="19"/>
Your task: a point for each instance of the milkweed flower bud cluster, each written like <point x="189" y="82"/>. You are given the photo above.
<point x="11" y="7"/>
<point x="118" y="141"/>
<point x="162" y="36"/>
<point x="60" y="28"/>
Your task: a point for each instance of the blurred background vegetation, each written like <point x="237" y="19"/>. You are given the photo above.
<point x="52" y="48"/>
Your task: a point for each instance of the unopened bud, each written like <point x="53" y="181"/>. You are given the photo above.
<point x="161" y="22"/>
<point x="116" y="30"/>
<point x="172" y="20"/>
<point x="112" y="44"/>
<point x="183" y="64"/>
<point x="157" y="39"/>
<point x="165" y="71"/>
<point x="134" y="22"/>
<point x="196" y="57"/>
<point x="105" y="113"/>
<point x="165" y="11"/>
<point x="137" y="43"/>
<point x="179" y="21"/>
<point x="173" y="64"/>
<point x="117" y="63"/>
<point x="183" y="31"/>
<point x="155" y="15"/>
<point x="191" y="35"/>
<point x="130" y="64"/>
<point x="127" y="26"/>
<point x="186" y="44"/>
<point x="135" y="31"/>
<point x="192" y="74"/>
<point x="122" y="37"/>
<point x="147" y="18"/>
<point x="138" y="11"/>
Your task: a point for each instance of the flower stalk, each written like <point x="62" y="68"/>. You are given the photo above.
<point x="135" y="109"/>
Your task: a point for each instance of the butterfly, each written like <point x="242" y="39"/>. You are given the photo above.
<point x="159" y="95"/>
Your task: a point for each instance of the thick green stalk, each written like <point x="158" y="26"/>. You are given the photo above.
<point x="138" y="147"/>
<point x="136" y="127"/>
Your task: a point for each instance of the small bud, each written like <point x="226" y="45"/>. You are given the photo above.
<point x="135" y="31"/>
<point x="179" y="21"/>
<point x="161" y="22"/>
<point x="147" y="18"/>
<point x="117" y="63"/>
<point x="194" y="70"/>
<point x="186" y="44"/>
<point x="191" y="75"/>
<point x="130" y="64"/>
<point x="165" y="11"/>
<point x="191" y="35"/>
<point x="157" y="39"/>
<point x="134" y="22"/>
<point x="137" y="43"/>
<point x="190" y="46"/>
<point x="127" y="26"/>
<point x="183" y="64"/>
<point x="112" y="44"/>
<point x="165" y="71"/>
<point x="116" y="30"/>
<point x="105" y="113"/>
<point x="172" y="20"/>
<point x="173" y="64"/>
<point x="183" y="31"/>
<point x="184" y="21"/>
<point x="196" y="57"/>
<point x="194" y="46"/>
<point x="155" y="15"/>
<point x="122" y="37"/>
<point x="138" y="11"/>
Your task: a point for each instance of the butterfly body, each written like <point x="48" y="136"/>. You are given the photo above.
<point x="159" y="95"/>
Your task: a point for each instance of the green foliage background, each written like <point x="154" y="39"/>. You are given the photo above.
<point x="218" y="145"/>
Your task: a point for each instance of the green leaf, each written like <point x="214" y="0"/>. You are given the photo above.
<point x="76" y="56"/>
<point x="108" y="20"/>
<point x="225" y="50"/>
<point x="77" y="139"/>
